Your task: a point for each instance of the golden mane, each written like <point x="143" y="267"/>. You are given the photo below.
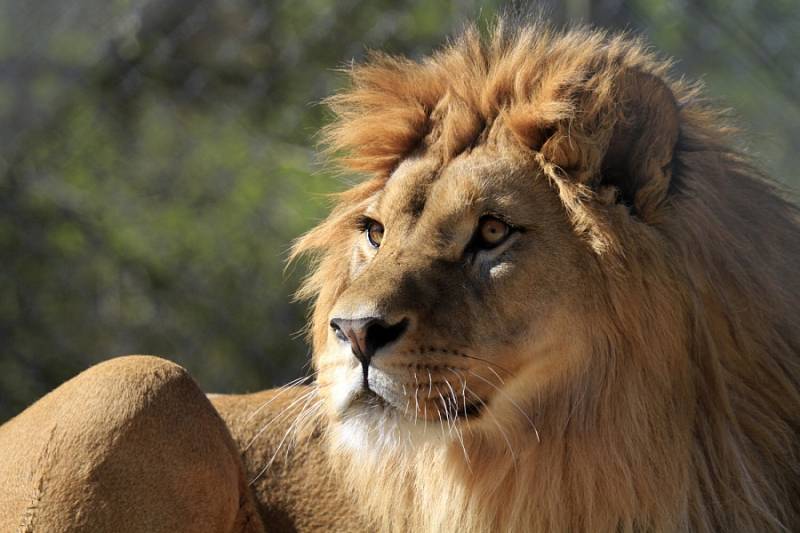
<point x="688" y="415"/>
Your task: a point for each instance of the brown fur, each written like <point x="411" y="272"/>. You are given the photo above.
<point x="129" y="445"/>
<point x="666" y="394"/>
<point x="133" y="445"/>
<point x="632" y="351"/>
<point x="288" y="470"/>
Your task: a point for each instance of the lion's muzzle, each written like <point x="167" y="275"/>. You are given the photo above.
<point x="367" y="335"/>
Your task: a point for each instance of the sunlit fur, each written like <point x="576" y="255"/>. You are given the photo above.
<point x="682" y="410"/>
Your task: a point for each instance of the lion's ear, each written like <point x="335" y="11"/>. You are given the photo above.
<point x="625" y="138"/>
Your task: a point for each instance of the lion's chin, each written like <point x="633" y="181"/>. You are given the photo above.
<point x="378" y="431"/>
<point x="371" y="422"/>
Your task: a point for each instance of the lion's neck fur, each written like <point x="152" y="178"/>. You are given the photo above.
<point x="572" y="482"/>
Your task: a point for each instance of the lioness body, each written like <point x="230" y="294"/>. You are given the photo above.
<point x="133" y="445"/>
<point x="560" y="302"/>
<point x="129" y="445"/>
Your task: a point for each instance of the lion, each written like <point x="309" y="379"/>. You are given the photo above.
<point x="561" y="300"/>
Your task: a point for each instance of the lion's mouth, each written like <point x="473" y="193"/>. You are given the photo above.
<point x="443" y="410"/>
<point x="472" y="410"/>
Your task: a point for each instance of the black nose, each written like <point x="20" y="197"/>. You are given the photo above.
<point x="367" y="335"/>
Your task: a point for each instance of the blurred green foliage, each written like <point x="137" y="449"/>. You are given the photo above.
<point x="157" y="158"/>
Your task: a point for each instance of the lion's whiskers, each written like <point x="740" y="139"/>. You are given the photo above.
<point x="511" y="400"/>
<point x="416" y="398"/>
<point x="446" y="408"/>
<point x="305" y="396"/>
<point x="486" y="362"/>
<point x="280" y="392"/>
<point x="306" y="412"/>
<point x="463" y="389"/>
<point x="453" y="395"/>
<point x="490" y="369"/>
<point x="496" y="423"/>
<point x="459" y="434"/>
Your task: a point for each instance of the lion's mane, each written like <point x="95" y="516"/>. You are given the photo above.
<point x="687" y="415"/>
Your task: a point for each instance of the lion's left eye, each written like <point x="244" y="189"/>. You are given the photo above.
<point x="491" y="232"/>
<point x="374" y="232"/>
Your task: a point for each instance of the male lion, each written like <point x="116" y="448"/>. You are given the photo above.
<point x="560" y="302"/>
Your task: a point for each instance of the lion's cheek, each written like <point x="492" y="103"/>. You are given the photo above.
<point x="544" y="339"/>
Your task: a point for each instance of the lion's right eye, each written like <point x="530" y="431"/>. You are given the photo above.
<point x="491" y="232"/>
<point x="374" y="231"/>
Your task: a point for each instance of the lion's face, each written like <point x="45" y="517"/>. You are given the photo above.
<point x="462" y="278"/>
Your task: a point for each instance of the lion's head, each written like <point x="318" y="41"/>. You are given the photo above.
<point x="560" y="302"/>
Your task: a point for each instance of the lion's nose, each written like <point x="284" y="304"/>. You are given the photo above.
<point x="367" y="335"/>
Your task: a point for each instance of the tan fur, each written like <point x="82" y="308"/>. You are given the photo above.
<point x="631" y="352"/>
<point x="652" y="340"/>
<point x="129" y="445"/>
<point x="280" y="436"/>
<point x="132" y="445"/>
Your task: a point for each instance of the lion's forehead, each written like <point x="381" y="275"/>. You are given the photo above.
<point x="457" y="190"/>
<point x="407" y="189"/>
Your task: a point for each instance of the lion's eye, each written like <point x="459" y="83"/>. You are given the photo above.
<point x="491" y="232"/>
<point x="374" y="231"/>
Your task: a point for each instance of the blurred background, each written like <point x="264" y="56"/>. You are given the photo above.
<point x="158" y="157"/>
